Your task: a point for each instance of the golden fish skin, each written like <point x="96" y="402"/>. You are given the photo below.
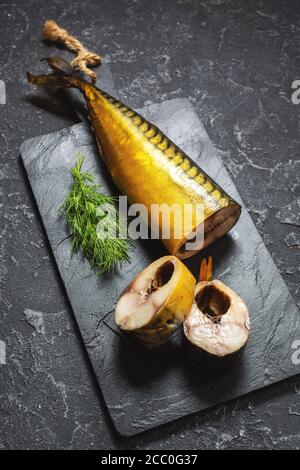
<point x="150" y="169"/>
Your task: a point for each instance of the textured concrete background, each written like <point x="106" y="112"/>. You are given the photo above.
<point x="236" y="61"/>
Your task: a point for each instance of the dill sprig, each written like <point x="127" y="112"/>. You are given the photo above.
<point x="90" y="214"/>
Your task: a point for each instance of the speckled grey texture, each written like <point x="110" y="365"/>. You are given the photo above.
<point x="235" y="60"/>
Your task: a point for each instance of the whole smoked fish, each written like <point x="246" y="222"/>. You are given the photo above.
<point x="148" y="167"/>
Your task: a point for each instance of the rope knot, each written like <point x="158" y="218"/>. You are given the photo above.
<point x="84" y="57"/>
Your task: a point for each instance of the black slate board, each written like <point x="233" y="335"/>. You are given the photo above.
<point x="145" y="390"/>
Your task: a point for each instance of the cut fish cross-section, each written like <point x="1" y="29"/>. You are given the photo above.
<point x="218" y="325"/>
<point x="156" y="302"/>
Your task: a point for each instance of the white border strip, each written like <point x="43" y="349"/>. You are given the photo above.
<point x="2" y="353"/>
<point x="2" y="92"/>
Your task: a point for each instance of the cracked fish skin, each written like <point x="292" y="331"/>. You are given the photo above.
<point x="150" y="169"/>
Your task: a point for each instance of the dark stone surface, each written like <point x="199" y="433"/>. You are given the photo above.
<point x="144" y="390"/>
<point x="236" y="61"/>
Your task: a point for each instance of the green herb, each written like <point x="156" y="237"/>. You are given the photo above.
<point x="94" y="222"/>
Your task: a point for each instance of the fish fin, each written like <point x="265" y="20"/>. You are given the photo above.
<point x="56" y="80"/>
<point x="64" y="75"/>
<point x="206" y="270"/>
<point x="49" y="80"/>
<point x="59" y="65"/>
<point x="99" y="147"/>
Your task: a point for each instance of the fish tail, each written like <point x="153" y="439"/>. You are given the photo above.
<point x="52" y="80"/>
<point x="63" y="76"/>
